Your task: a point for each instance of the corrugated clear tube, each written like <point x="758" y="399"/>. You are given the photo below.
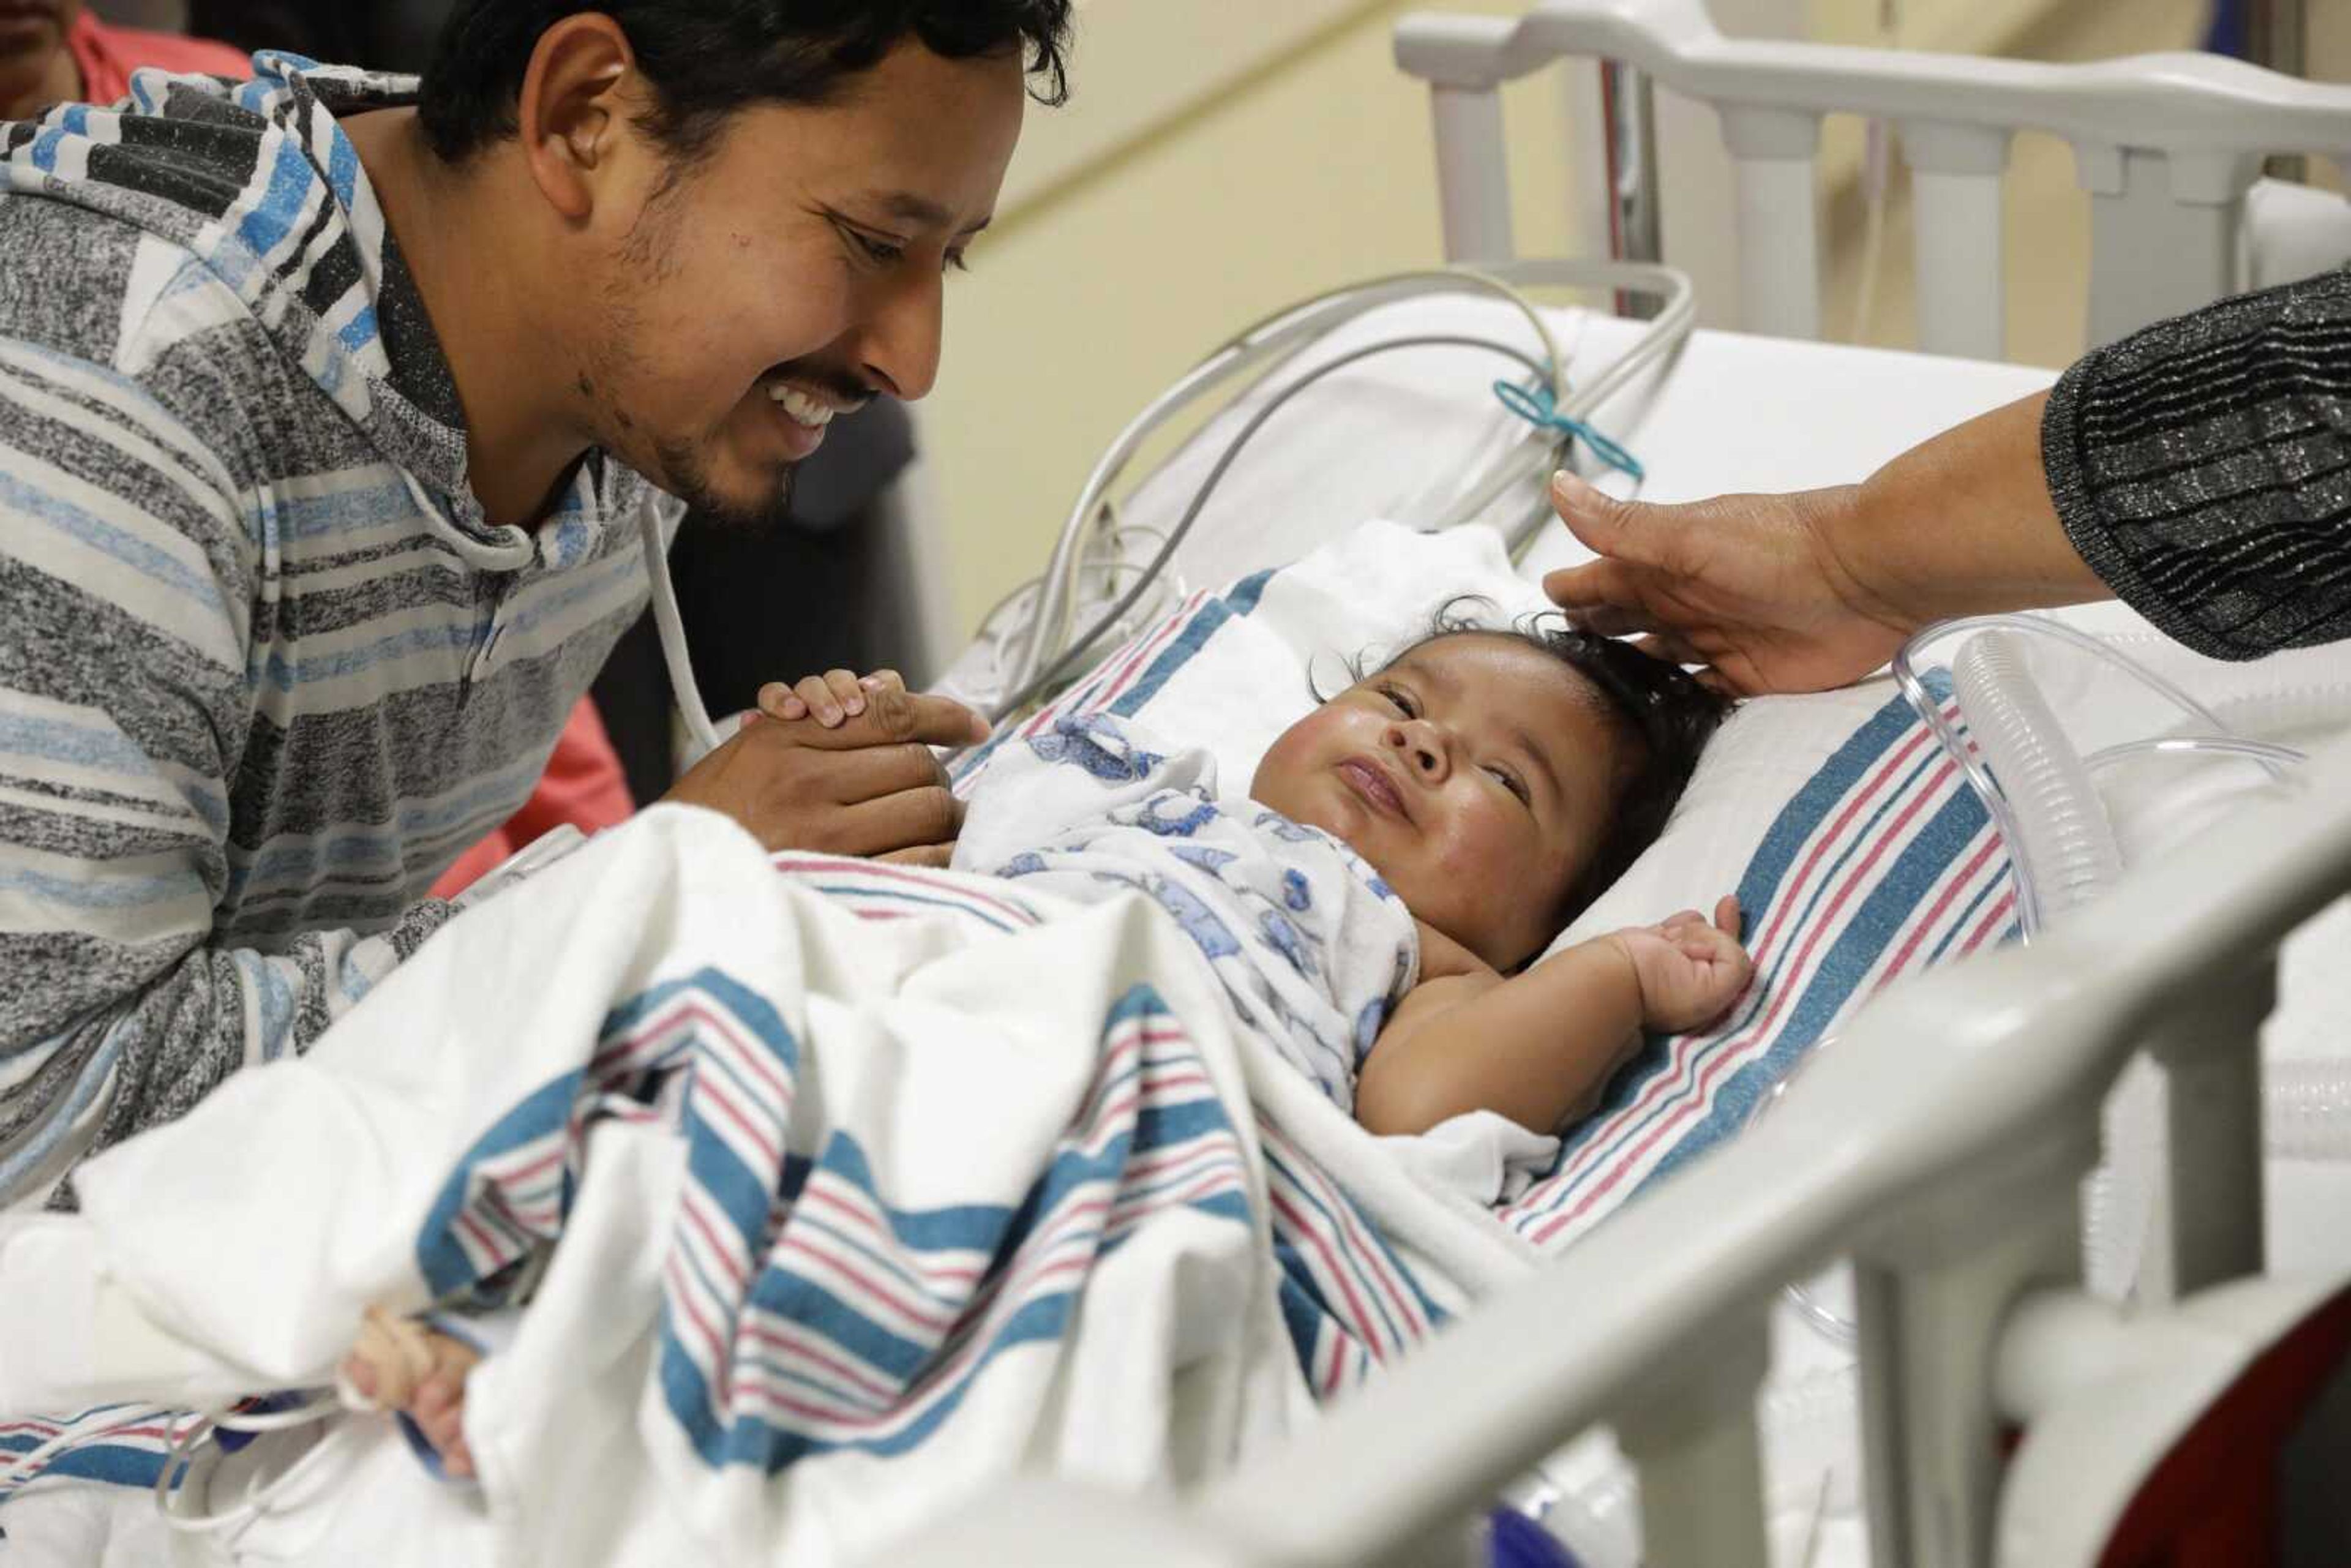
<point x="2067" y="846"/>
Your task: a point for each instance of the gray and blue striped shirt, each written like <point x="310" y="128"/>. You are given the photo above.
<point x="265" y="668"/>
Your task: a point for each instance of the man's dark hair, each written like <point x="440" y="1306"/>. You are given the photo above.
<point x="1666" y="714"/>
<point x="708" y="58"/>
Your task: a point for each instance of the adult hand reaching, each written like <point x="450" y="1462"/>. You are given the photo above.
<point x="865" y="786"/>
<point x="1803" y="591"/>
<point x="1747" y="586"/>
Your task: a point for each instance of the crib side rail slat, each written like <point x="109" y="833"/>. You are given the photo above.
<point x="1473" y="174"/>
<point x="1779" y="219"/>
<point x="1956" y="172"/>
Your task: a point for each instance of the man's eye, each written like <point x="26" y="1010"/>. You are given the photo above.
<point x="879" y="252"/>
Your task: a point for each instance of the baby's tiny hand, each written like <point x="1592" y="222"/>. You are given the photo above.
<point x="833" y="698"/>
<point x="1690" y="969"/>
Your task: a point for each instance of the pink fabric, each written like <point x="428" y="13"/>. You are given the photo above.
<point x="107" y="56"/>
<point x="582" y="786"/>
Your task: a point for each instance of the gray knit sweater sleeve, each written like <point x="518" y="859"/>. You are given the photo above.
<point x="2202" y="468"/>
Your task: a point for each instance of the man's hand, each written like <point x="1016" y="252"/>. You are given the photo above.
<point x="1690" y="969"/>
<point x="867" y="785"/>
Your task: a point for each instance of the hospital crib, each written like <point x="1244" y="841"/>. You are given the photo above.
<point x="2008" y="1416"/>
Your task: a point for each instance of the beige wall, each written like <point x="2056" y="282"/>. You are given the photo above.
<point x="1091" y="296"/>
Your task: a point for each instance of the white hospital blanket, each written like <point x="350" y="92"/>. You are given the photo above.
<point x="870" y="1187"/>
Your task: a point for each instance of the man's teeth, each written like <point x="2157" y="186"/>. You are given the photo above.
<point x="803" y="408"/>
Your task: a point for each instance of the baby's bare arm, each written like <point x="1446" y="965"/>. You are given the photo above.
<point x="1539" y="1046"/>
<point x="1534" y="1046"/>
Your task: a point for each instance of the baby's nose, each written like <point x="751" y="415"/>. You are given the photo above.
<point x="1419" y="750"/>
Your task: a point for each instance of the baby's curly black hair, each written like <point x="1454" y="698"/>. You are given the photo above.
<point x="1667" y="714"/>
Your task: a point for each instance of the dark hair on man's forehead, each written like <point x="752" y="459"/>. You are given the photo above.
<point x="706" y="59"/>
<point x="1665" y="715"/>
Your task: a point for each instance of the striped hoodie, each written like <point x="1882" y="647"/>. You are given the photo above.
<point x="265" y="666"/>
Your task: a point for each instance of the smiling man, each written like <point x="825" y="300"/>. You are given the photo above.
<point x="334" y="415"/>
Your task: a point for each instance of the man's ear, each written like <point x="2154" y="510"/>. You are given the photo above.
<point x="572" y="110"/>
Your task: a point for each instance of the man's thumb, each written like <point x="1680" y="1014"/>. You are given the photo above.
<point x="1604" y="524"/>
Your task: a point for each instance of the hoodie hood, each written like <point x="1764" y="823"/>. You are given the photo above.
<point x="258" y="180"/>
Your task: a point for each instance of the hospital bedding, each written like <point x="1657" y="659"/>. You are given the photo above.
<point x="1354" y="1257"/>
<point x="1856" y="852"/>
<point x="835" y="1156"/>
<point x="1859" y="856"/>
<point x="1864" y="854"/>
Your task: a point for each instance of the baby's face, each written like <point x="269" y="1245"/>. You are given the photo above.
<point x="1477" y="775"/>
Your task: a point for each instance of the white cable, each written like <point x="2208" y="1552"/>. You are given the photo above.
<point x="1290" y="330"/>
<point x="1287" y="330"/>
<point x="673" y="640"/>
<point x="174" y="1494"/>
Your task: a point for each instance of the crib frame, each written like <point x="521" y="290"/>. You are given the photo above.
<point x="1941" y="1146"/>
<point x="2166" y="146"/>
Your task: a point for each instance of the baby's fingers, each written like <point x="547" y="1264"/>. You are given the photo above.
<point x="1726" y="914"/>
<point x="833" y="698"/>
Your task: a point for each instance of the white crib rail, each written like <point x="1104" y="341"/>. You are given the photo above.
<point x="2165" y="145"/>
<point x="1941" y="1144"/>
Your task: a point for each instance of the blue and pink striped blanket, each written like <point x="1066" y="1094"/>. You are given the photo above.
<point x="872" y="1185"/>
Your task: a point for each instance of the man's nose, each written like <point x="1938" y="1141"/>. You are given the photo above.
<point x="899" y="347"/>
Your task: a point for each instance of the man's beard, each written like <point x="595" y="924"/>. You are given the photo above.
<point x="681" y="473"/>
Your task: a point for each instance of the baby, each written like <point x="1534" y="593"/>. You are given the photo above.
<point x="1406" y="850"/>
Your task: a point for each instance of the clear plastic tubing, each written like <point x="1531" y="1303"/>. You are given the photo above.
<point x="2066" y="847"/>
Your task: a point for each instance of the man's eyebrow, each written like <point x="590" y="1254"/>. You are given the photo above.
<point x="908" y="207"/>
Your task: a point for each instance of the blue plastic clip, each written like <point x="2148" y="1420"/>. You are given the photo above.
<point x="1539" y="409"/>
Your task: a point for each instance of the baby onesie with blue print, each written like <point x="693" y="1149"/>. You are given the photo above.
<point x="1313" y="949"/>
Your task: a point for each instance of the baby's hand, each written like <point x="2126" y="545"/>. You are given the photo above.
<point x="833" y="698"/>
<point x="1690" y="969"/>
<point x="398" y="1364"/>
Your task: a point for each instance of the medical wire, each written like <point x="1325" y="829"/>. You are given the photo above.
<point x="672" y="627"/>
<point x="1292" y="328"/>
<point x="1045" y="680"/>
<point x="1284" y="333"/>
<point x="2234" y="746"/>
<point x="184" y="1464"/>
